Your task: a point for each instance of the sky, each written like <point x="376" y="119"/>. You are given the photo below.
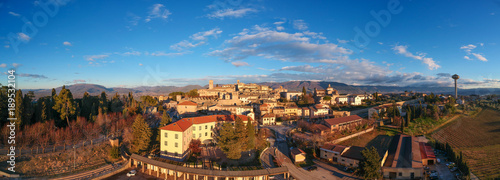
<point x="51" y="43"/>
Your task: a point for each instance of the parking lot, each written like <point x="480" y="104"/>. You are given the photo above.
<point x="442" y="170"/>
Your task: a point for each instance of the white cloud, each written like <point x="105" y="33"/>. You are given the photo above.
<point x="279" y="24"/>
<point x="232" y="13"/>
<point x="6" y="46"/>
<point x="132" y="53"/>
<point x="23" y="37"/>
<point x="94" y="57"/>
<point x="342" y="41"/>
<point x="16" y="65"/>
<point x="201" y="36"/>
<point x="197" y="39"/>
<point x="381" y="43"/>
<point x="3" y="65"/>
<point x="239" y="63"/>
<point x="14" y="14"/>
<point x="79" y="81"/>
<point x="272" y="44"/>
<point x="280" y="28"/>
<point x="166" y="54"/>
<point x="299" y="25"/>
<point x="158" y="11"/>
<point x="140" y="64"/>
<point x="431" y="64"/>
<point x="479" y="57"/>
<point x="66" y="43"/>
<point x="468" y="49"/>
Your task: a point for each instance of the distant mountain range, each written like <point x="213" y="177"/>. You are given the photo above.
<point x="78" y="89"/>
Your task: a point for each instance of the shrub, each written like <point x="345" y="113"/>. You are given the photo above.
<point x="114" y="152"/>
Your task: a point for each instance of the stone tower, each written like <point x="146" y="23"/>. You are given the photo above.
<point x="210" y="84"/>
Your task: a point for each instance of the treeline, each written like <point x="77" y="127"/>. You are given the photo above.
<point x="192" y="93"/>
<point x="234" y="139"/>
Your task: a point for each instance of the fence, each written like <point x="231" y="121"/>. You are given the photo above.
<point x="51" y="148"/>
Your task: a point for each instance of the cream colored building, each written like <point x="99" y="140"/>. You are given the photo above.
<point x="175" y="137"/>
<point x="187" y="107"/>
<point x="268" y="119"/>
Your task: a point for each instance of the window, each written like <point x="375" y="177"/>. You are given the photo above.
<point x="176" y="145"/>
<point x="400" y="174"/>
<point x="176" y="137"/>
<point x="206" y="134"/>
<point x="166" y="143"/>
<point x="194" y="135"/>
<point x="212" y="127"/>
<point x="166" y="135"/>
<point x="200" y="128"/>
<point x="206" y="127"/>
<point x="199" y="135"/>
<point x="343" y="160"/>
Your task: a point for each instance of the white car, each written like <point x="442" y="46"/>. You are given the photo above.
<point x="131" y="173"/>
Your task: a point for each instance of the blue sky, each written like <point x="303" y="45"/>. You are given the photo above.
<point x="150" y="43"/>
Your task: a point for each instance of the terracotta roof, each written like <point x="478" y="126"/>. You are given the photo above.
<point x="269" y="115"/>
<point x="188" y="103"/>
<point x="334" y="147"/>
<point x="426" y="151"/>
<point x="339" y="120"/>
<point x="184" y="123"/>
<point x="180" y="125"/>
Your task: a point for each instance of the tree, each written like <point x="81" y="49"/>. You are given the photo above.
<point x="228" y="142"/>
<point x="304" y="92"/>
<point x="193" y="93"/>
<point x="103" y="103"/>
<point x="194" y="146"/>
<point x="165" y="119"/>
<point x="114" y="152"/>
<point x="141" y="133"/>
<point x="370" y="165"/>
<point x="250" y="135"/>
<point x="64" y="104"/>
<point x="19" y="109"/>
<point x="241" y="133"/>
<point x="116" y="104"/>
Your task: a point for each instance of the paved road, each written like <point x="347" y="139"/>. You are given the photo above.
<point x="139" y="175"/>
<point x="443" y="171"/>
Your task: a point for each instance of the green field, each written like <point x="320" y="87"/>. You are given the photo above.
<point x="478" y="138"/>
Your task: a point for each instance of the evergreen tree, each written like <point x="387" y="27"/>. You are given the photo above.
<point x="304" y="92"/>
<point x="19" y="109"/>
<point x="241" y="133"/>
<point x="103" y="102"/>
<point x="370" y="165"/>
<point x="141" y="133"/>
<point x="65" y="105"/>
<point x="250" y="135"/>
<point x="165" y="119"/>
<point x="29" y="109"/>
<point x="228" y="141"/>
<point x="116" y="104"/>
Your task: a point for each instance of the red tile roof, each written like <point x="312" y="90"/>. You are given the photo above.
<point x="184" y="123"/>
<point x="180" y="125"/>
<point x="339" y="120"/>
<point x="426" y="151"/>
<point x="269" y="115"/>
<point x="188" y="103"/>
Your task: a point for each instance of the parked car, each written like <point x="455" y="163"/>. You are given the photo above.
<point x="438" y="161"/>
<point x="453" y="169"/>
<point x="426" y="167"/>
<point x="312" y="168"/>
<point x="131" y="173"/>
